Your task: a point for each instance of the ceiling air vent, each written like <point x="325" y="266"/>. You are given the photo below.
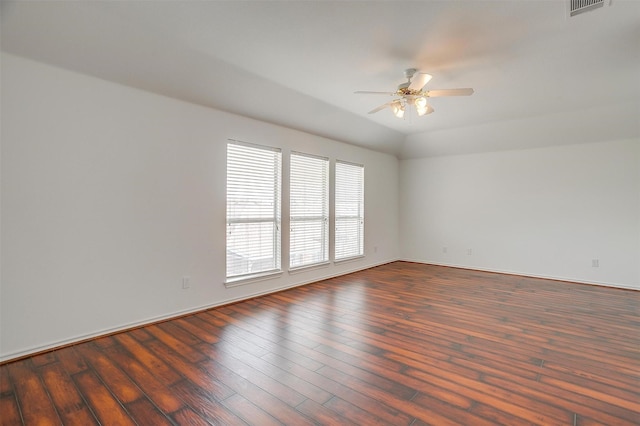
<point x="580" y="6"/>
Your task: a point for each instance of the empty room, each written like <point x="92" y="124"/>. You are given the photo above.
<point x="320" y="212"/>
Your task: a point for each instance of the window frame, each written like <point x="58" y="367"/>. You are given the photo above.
<point x="359" y="217"/>
<point x="322" y="218"/>
<point x="275" y="218"/>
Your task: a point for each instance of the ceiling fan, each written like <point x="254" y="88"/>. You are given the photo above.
<point x="412" y="93"/>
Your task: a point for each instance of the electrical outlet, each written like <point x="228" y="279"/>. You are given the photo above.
<point x="469" y="252"/>
<point x="595" y="263"/>
<point x="186" y="282"/>
<point x="444" y="249"/>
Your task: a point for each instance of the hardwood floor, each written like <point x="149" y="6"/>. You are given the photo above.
<point x="400" y="344"/>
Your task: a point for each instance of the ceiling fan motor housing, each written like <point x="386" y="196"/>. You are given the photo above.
<point x="403" y="88"/>
<point x="409" y="72"/>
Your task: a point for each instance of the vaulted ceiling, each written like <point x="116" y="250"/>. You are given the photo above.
<point x="537" y="72"/>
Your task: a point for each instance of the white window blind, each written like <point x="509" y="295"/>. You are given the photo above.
<point x="349" y="238"/>
<point x="253" y="209"/>
<point x="309" y="204"/>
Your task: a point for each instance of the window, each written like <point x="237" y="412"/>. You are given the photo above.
<point x="309" y="201"/>
<point x="349" y="238"/>
<point x="253" y="209"/>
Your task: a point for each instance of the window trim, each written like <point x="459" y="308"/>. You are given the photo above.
<point x="276" y="219"/>
<point x="326" y="219"/>
<point x="248" y="279"/>
<point x="360" y="216"/>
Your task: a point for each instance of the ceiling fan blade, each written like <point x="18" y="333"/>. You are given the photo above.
<point x="449" y="92"/>
<point x="419" y="81"/>
<point x="380" y="108"/>
<point x="368" y="92"/>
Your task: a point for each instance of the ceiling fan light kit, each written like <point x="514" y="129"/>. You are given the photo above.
<point x="412" y="93"/>
<point x="397" y="108"/>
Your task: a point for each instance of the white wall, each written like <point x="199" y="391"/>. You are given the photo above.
<point x="110" y="195"/>
<point x="541" y="212"/>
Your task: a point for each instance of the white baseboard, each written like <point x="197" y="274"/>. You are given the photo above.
<point x="176" y="314"/>
<point x="104" y="332"/>
<point x="524" y="274"/>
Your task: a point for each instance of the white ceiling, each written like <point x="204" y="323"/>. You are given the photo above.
<point x="297" y="63"/>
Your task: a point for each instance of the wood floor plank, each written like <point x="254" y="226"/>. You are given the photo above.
<point x="71" y="360"/>
<point x="286" y="359"/>
<point x="575" y="403"/>
<point x="612" y="394"/>
<point x="461" y="416"/>
<point x="116" y="380"/>
<point x="187" y="416"/>
<point x="599" y="374"/>
<point x="154" y="389"/>
<point x="366" y="403"/>
<point x="140" y="334"/>
<point x="66" y="397"/>
<point x="244" y="385"/>
<point x="250" y="413"/>
<point x="188" y="325"/>
<point x="246" y="371"/>
<point x="194" y="373"/>
<point x="321" y="414"/>
<point x="104" y="342"/>
<point x="398" y="344"/>
<point x="359" y="416"/>
<point x="339" y="356"/>
<point x="475" y="389"/>
<point x="141" y="352"/>
<point x="375" y="377"/>
<point x="199" y="325"/>
<point x="301" y="387"/>
<point x="173" y="341"/>
<point x="409" y="406"/>
<point x="500" y="417"/>
<point x="144" y="412"/>
<point x="205" y="405"/>
<point x="10" y="413"/>
<point x="234" y="335"/>
<point x="32" y="396"/>
<point x="106" y="407"/>
<point x="44" y="359"/>
<point x="5" y="382"/>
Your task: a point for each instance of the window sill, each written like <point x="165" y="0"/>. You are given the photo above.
<point x="248" y="279"/>
<point x="348" y="259"/>
<point x="298" y="269"/>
